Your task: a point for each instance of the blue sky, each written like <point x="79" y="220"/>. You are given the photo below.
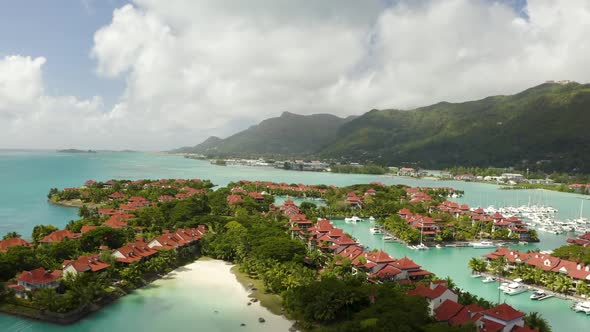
<point x="62" y="32"/>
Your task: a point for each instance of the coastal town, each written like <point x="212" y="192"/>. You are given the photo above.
<point x="141" y="229"/>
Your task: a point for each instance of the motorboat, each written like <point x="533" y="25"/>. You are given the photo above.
<point x="514" y="288"/>
<point x="582" y="307"/>
<point x="353" y="219"/>
<point x="388" y="238"/>
<point x="376" y="230"/>
<point x="503" y="286"/>
<point x="540" y="295"/>
<point x="371" y="219"/>
<point x="476" y="275"/>
<point x="487" y="280"/>
<point x="438" y="246"/>
<point x="483" y="245"/>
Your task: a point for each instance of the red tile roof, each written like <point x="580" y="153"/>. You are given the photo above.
<point x="60" y="235"/>
<point x="87" y="228"/>
<point x="490" y="326"/>
<point x="133" y="252"/>
<point x="428" y="292"/>
<point x="13" y="242"/>
<point x="91" y="263"/>
<point x="447" y="310"/>
<point x="504" y="312"/>
<point x="406" y="264"/>
<point x="39" y="276"/>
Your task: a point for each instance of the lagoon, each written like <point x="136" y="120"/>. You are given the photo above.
<point x="25" y="179"/>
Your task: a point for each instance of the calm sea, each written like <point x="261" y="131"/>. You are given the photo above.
<point x="25" y="179"/>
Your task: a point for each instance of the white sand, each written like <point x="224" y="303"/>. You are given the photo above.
<point x="219" y="288"/>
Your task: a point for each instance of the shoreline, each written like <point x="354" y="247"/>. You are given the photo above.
<point x="74" y="203"/>
<point x="272" y="302"/>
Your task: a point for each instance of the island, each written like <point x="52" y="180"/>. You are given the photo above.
<point x="290" y="256"/>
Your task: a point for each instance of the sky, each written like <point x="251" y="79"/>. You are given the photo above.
<point x="155" y="75"/>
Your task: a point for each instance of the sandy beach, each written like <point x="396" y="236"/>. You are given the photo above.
<point x="225" y="295"/>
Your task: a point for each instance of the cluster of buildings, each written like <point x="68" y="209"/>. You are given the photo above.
<point x="282" y="187"/>
<point x="577" y="271"/>
<point x="579" y="187"/>
<point x="429" y="226"/>
<point x="137" y="251"/>
<point x="381" y="267"/>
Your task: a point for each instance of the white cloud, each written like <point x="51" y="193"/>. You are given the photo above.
<point x="196" y="68"/>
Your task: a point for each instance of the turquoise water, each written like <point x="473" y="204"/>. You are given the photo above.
<point x="453" y="262"/>
<point x="25" y="178"/>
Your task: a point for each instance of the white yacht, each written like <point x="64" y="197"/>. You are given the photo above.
<point x="388" y="238"/>
<point x="540" y="295"/>
<point x="582" y="307"/>
<point x="514" y="288"/>
<point x="371" y="219"/>
<point x="422" y="246"/>
<point x="483" y="245"/>
<point x="487" y="280"/>
<point x="353" y="220"/>
<point x="376" y="230"/>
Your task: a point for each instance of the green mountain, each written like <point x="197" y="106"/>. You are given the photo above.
<point x="289" y="134"/>
<point x="547" y="125"/>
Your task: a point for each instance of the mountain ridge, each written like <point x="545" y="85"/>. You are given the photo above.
<point x="545" y="126"/>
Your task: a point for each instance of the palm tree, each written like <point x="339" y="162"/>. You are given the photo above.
<point x="477" y="264"/>
<point x="535" y="321"/>
<point x="582" y="288"/>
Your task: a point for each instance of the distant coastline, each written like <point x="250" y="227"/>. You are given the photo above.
<point x="75" y="151"/>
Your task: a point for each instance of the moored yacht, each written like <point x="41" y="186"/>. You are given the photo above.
<point x="582" y="307"/>
<point x="514" y="288"/>
<point x="376" y="230"/>
<point x="353" y="219"/>
<point x="483" y="245"/>
<point x="487" y="280"/>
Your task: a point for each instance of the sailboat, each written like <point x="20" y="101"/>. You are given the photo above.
<point x="421" y="246"/>
<point x="581" y="219"/>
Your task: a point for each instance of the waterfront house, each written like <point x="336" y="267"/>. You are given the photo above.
<point x="59" y="236"/>
<point x="38" y="278"/>
<point x="435" y="294"/>
<point x="407" y="171"/>
<point x="88" y="263"/>
<point x="464" y="177"/>
<point x="133" y="252"/>
<point x="13" y="242"/>
<point x="353" y="200"/>
<point x="413" y="270"/>
<point x="180" y="238"/>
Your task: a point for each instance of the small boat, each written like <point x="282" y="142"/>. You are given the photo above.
<point x="438" y="246"/>
<point x="540" y="295"/>
<point x="422" y="246"/>
<point x="412" y="247"/>
<point x="582" y="307"/>
<point x="376" y="230"/>
<point x="503" y="286"/>
<point x="483" y="245"/>
<point x="388" y="238"/>
<point x="523" y="243"/>
<point x="487" y="280"/>
<point x="514" y="288"/>
<point x="371" y="219"/>
<point x="353" y="219"/>
<point x="476" y="275"/>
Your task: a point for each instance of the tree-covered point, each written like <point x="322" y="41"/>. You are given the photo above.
<point x="99" y="192"/>
<point x="358" y="169"/>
